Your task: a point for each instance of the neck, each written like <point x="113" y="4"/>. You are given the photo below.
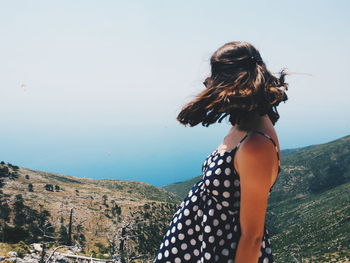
<point x="256" y="122"/>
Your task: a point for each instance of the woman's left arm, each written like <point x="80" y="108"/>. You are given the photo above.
<point x="255" y="163"/>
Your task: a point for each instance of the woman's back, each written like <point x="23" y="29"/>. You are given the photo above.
<point x="206" y="227"/>
<point x="223" y="217"/>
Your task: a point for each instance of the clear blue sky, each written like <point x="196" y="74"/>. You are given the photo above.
<point x="92" y="88"/>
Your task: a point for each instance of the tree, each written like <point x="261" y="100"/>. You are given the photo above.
<point x="101" y="248"/>
<point x="41" y="229"/>
<point x="4" y="215"/>
<point x="122" y="238"/>
<point x="71" y="234"/>
<point x="18" y="232"/>
<point x="43" y="216"/>
<point x="49" y="187"/>
<point x="105" y="198"/>
<point x="78" y="236"/>
<point x="19" y="211"/>
<point x="4" y="171"/>
<point x="63" y="233"/>
<point x="2" y="183"/>
<point x="13" y="175"/>
<point x="116" y="210"/>
<point x="30" y="187"/>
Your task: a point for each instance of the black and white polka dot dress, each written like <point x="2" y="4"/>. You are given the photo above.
<point x="206" y="226"/>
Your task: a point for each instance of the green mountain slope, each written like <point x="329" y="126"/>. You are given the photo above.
<point x="313" y="170"/>
<point x="309" y="208"/>
<point x="181" y="189"/>
<point x="315" y="227"/>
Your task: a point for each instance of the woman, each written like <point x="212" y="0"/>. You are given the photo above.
<point x="223" y="217"/>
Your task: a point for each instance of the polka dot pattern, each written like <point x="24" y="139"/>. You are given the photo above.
<point x="206" y="228"/>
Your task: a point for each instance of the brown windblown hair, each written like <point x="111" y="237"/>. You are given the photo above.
<point x="240" y="84"/>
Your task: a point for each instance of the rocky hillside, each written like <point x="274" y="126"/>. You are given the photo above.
<point x="309" y="207"/>
<point x="100" y="209"/>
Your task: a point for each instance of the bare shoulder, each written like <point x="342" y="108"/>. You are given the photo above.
<point x="257" y="152"/>
<point x="256" y="143"/>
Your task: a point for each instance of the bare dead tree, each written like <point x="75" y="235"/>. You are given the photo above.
<point x="45" y="229"/>
<point x="122" y="237"/>
<point x="53" y="252"/>
<point x="70" y="227"/>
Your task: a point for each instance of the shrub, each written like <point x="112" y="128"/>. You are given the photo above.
<point x="21" y="248"/>
<point x="49" y="187"/>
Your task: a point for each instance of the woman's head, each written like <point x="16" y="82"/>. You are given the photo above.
<point x="240" y="86"/>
